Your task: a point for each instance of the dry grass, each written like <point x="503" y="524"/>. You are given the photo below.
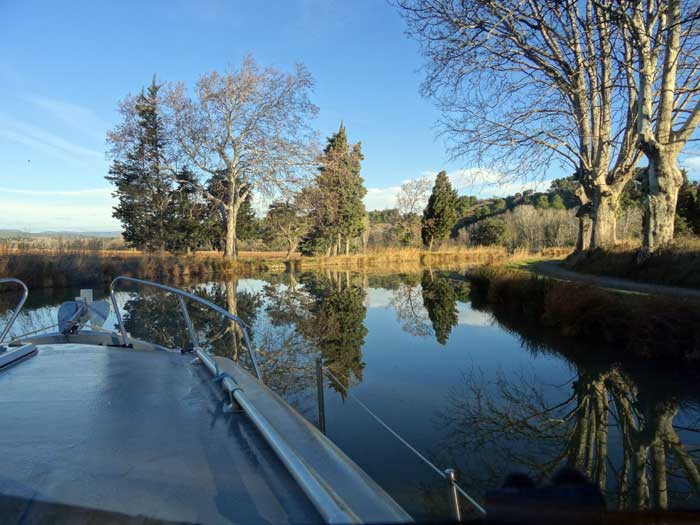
<point x="61" y="269"/>
<point x="394" y="256"/>
<point x="56" y="268"/>
<point x="645" y="326"/>
<point x="677" y="264"/>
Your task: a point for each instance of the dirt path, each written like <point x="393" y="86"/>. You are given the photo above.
<point x="554" y="270"/>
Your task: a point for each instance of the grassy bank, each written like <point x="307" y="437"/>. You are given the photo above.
<point x="675" y="265"/>
<point x="57" y="269"/>
<point x="643" y="326"/>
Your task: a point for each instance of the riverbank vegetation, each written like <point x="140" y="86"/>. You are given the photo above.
<point x="61" y="268"/>
<point x="193" y="168"/>
<point x="676" y="264"/>
<point x="642" y="326"/>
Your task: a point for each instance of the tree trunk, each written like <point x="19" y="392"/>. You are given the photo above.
<point x="584" y="230"/>
<point x="230" y="246"/>
<point x="664" y="179"/>
<point x="347" y="245"/>
<point x="291" y="248"/>
<point x="604" y="215"/>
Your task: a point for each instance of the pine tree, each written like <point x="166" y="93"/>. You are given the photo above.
<point x="337" y="207"/>
<point x="187" y="216"/>
<point x="440" y="214"/>
<point x="248" y="225"/>
<point x="143" y="189"/>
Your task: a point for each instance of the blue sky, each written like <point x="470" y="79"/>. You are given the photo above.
<point x="65" y="66"/>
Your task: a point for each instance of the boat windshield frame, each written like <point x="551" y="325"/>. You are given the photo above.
<point x="18" y="308"/>
<point x="183" y="308"/>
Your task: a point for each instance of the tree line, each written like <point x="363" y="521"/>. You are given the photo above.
<point x="185" y="168"/>
<point x="597" y="86"/>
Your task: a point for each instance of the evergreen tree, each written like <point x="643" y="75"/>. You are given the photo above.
<point x="285" y="222"/>
<point x="441" y="212"/>
<point x="335" y="201"/>
<point x="440" y="300"/>
<point x="187" y="216"/>
<point x="143" y="189"/>
<point x="489" y="232"/>
<point x="542" y="201"/>
<point x="248" y="225"/>
<point x="688" y="209"/>
<point x="557" y="202"/>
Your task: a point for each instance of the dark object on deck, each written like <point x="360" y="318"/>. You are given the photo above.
<point x="570" y="499"/>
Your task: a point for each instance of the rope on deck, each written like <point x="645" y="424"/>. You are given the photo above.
<point x="404" y="442"/>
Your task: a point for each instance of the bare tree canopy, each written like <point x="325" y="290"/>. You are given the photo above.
<point x="242" y="131"/>
<point x="413" y="196"/>
<point x="523" y="84"/>
<point x="665" y="37"/>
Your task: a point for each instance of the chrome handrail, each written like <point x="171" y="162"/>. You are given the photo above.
<point x="18" y="308"/>
<point x="183" y="307"/>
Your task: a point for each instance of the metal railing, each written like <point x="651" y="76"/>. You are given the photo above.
<point x="18" y="308"/>
<point x="318" y="492"/>
<point x="185" y="313"/>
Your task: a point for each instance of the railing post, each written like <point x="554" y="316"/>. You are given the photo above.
<point x="188" y="322"/>
<point x="118" y="315"/>
<point x="18" y="308"/>
<point x="451" y="476"/>
<point x="182" y="293"/>
<point x="319" y="395"/>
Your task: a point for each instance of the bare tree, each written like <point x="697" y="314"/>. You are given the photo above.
<point x="665" y="36"/>
<point x="413" y="196"/>
<point x="522" y="84"/>
<point x="411" y="200"/>
<point x="249" y="128"/>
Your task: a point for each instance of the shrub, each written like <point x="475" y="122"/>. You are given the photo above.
<point x="488" y="232"/>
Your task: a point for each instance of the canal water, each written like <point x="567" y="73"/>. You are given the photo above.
<point x="469" y="389"/>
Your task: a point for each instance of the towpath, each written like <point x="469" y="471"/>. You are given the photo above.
<point x="554" y="270"/>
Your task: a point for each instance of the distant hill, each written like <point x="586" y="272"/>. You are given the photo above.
<point x="13" y="234"/>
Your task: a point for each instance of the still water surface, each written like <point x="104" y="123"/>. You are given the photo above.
<point x="471" y="390"/>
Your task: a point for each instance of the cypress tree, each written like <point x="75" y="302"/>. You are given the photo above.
<point x="143" y="189"/>
<point x="352" y="208"/>
<point x="441" y="212"/>
<point x="339" y="211"/>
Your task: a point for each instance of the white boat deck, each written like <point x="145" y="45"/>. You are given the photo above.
<point x="136" y="432"/>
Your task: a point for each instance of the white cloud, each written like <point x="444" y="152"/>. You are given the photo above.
<point x="75" y="116"/>
<point x="470" y="317"/>
<point x="381" y="198"/>
<point x="33" y="136"/>
<point x="469" y="181"/>
<point x="98" y="191"/>
<point x="80" y="210"/>
<point x="693" y="164"/>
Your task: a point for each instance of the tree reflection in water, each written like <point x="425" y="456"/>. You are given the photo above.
<point x="513" y="419"/>
<point x="609" y="422"/>
<point x="327" y="311"/>
<point x="429" y="306"/>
